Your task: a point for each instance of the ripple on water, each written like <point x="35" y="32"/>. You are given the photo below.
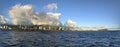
<point x="59" y="39"/>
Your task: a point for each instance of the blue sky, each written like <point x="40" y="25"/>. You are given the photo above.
<point x="83" y="12"/>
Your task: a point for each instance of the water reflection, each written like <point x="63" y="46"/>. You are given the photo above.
<point x="32" y="39"/>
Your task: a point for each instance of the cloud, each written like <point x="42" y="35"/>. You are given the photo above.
<point x="26" y="15"/>
<point x="21" y="14"/>
<point x="2" y="20"/>
<point x="71" y="23"/>
<point x="52" y="6"/>
<point x="46" y="18"/>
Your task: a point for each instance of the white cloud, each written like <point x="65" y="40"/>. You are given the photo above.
<point x="46" y="18"/>
<point x="2" y="20"/>
<point x="26" y="15"/>
<point x="52" y="6"/>
<point x="71" y="23"/>
<point x="21" y="14"/>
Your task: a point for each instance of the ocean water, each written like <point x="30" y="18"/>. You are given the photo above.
<point x="59" y="39"/>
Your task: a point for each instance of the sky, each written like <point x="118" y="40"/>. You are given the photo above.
<point x="89" y="13"/>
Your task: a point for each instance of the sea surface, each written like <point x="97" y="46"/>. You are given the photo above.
<point x="59" y="39"/>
